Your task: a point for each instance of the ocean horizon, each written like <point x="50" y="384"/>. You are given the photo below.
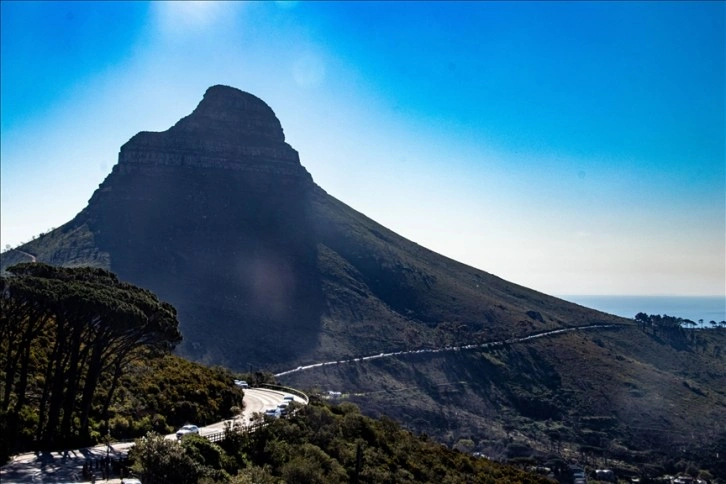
<point x="707" y="308"/>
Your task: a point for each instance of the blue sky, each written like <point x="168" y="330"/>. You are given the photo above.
<point x="573" y="147"/>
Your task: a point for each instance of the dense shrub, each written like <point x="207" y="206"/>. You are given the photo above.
<point x="328" y="444"/>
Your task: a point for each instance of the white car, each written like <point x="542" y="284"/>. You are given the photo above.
<point x="186" y="430"/>
<point x="273" y="412"/>
<point x="241" y="383"/>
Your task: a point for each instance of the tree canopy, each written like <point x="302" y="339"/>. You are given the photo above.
<point x="71" y="331"/>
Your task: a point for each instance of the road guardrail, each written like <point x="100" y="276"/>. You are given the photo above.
<point x="281" y="388"/>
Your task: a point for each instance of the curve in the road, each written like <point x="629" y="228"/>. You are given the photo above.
<point x="490" y="344"/>
<point x="66" y="466"/>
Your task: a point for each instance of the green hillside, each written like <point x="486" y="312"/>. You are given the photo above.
<point x="323" y="444"/>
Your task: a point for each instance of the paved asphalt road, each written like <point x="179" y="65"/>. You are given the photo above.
<point x="66" y="466"/>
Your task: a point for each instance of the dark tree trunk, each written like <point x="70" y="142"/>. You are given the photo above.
<point x="22" y="384"/>
<point x="12" y="321"/>
<point x="92" y="377"/>
<point x="118" y="365"/>
<point x="36" y="323"/>
<point x="72" y="376"/>
<point x="59" y="382"/>
<point x="47" y="389"/>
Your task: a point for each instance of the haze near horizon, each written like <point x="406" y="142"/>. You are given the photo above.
<point x="574" y="148"/>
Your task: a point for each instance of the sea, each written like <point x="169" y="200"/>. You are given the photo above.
<point x="707" y="308"/>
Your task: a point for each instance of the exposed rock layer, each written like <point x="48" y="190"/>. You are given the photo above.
<point x="213" y="214"/>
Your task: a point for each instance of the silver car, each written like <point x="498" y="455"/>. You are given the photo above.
<point x="186" y="430"/>
<point x="273" y="412"/>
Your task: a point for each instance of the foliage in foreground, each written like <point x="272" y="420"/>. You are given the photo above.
<point x="69" y="337"/>
<point x="320" y="444"/>
<point x="162" y="394"/>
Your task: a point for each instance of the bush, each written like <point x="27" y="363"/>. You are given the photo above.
<point x="158" y="458"/>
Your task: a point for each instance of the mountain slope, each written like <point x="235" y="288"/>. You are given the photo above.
<point x="614" y="393"/>
<point x="217" y="216"/>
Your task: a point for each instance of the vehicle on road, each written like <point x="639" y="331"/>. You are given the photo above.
<point x="186" y="430"/>
<point x="241" y="383"/>
<point x="273" y="412"/>
<point x="578" y="475"/>
<point x="289" y="399"/>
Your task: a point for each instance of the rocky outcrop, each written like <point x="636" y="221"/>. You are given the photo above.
<point x="230" y="129"/>
<point x="213" y="215"/>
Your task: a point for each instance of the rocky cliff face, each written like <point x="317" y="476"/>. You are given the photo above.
<point x="229" y="129"/>
<point x="213" y="215"/>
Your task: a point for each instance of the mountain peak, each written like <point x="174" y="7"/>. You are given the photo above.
<point x="229" y="129"/>
<point x="234" y="115"/>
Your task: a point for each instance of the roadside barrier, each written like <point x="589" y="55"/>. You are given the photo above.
<point x="281" y="388"/>
<point x="219" y="436"/>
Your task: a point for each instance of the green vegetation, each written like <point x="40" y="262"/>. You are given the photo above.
<point x="164" y="393"/>
<point x="82" y="355"/>
<point x="670" y="324"/>
<point x="320" y="444"/>
<point x="86" y="356"/>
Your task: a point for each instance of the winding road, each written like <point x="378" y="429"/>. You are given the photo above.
<point x="66" y="466"/>
<point x="32" y="257"/>
<point x="490" y="344"/>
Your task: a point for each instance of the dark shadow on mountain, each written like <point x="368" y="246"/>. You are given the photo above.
<point x="235" y="257"/>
